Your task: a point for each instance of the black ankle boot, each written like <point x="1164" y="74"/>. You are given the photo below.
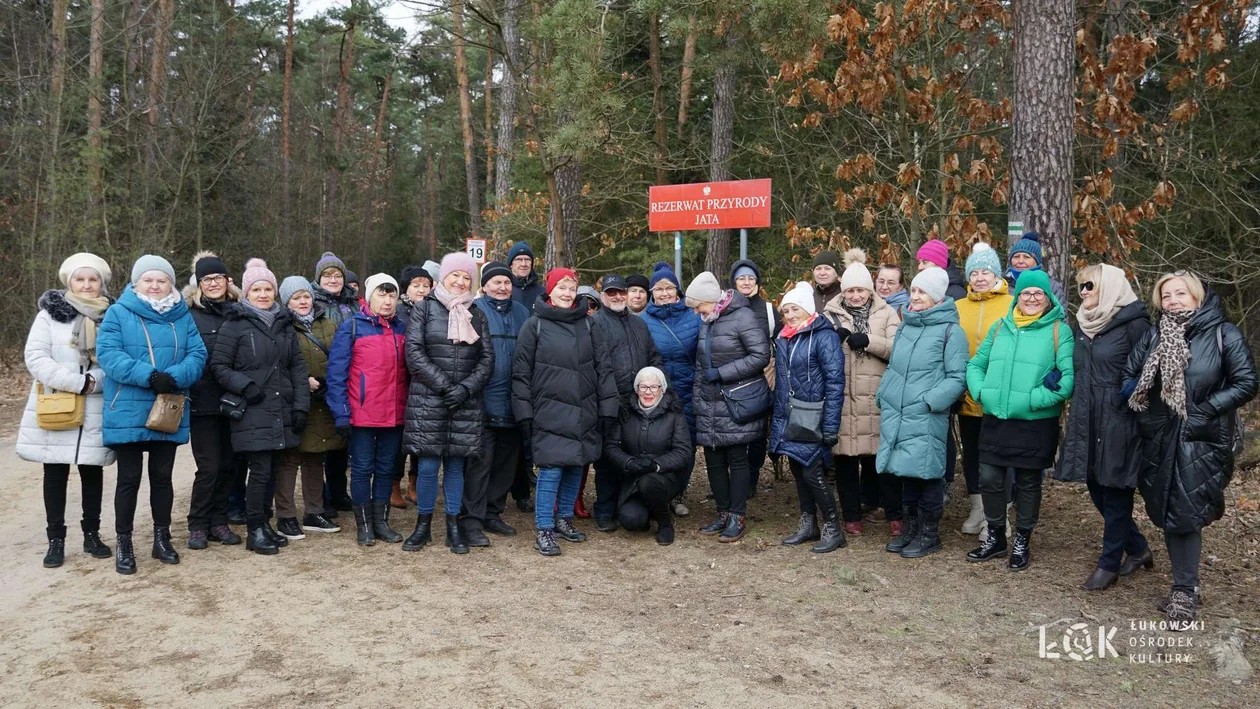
<point x="258" y="541"/>
<point x="278" y="539"/>
<point x="363" y="525"/>
<point x="735" y="529"/>
<point x="163" y="550"/>
<point x="806" y="532"/>
<point x="125" y="561"/>
<point x="909" y="530"/>
<point x="455" y="535"/>
<point x="992" y="548"/>
<point x="380" y="523"/>
<point x="928" y="539"/>
<point x="93" y="545"/>
<point x="832" y="536"/>
<point x="1021" y="555"/>
<point x="716" y="526"/>
<point x="423" y="534"/>
<point x="56" y="555"/>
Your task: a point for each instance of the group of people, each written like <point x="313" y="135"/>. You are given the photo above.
<point x="476" y="376"/>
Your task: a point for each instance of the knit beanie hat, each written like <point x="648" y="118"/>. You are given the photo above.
<point x="520" y="248"/>
<point x="432" y="267"/>
<point x="457" y="261"/>
<point x="637" y="280"/>
<point x="352" y="277"/>
<point x="802" y="296"/>
<point x="254" y="275"/>
<point x="411" y="273"/>
<point x="1034" y="278"/>
<point x="744" y="269"/>
<point x="932" y="281"/>
<point x="376" y="281"/>
<point x="983" y="258"/>
<point x="828" y="258"/>
<point x="209" y="265"/>
<point x="663" y="272"/>
<point x="492" y="269"/>
<point x="1029" y="244"/>
<point x="704" y="288"/>
<point x="856" y="274"/>
<point x="255" y="263"/>
<point x="655" y="373"/>
<point x="935" y="251"/>
<point x="84" y="260"/>
<point x="558" y="274"/>
<point x="327" y="261"/>
<point x="149" y="262"/>
<point x="291" y="286"/>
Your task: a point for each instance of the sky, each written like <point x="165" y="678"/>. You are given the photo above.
<point x="394" y="12"/>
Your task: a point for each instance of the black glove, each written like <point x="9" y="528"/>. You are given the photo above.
<point x="639" y="466"/>
<point x="608" y="425"/>
<point x="527" y="429"/>
<point x="323" y="385"/>
<point x="844" y="332"/>
<point x="299" y="422"/>
<point x="344" y="432"/>
<point x="254" y="394"/>
<point x="162" y="383"/>
<point x="456" y="396"/>
<point x="831" y="439"/>
<point x="858" y="341"/>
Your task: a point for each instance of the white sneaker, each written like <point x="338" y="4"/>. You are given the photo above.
<point x="975" y="521"/>
<point x="680" y="509"/>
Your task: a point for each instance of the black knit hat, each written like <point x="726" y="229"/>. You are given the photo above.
<point x="828" y="258"/>
<point x="209" y="266"/>
<point x="637" y="279"/>
<point x="492" y="269"/>
<point x="411" y="273"/>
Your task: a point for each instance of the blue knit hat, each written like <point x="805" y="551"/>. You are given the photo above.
<point x="662" y="272"/>
<point x="982" y="258"/>
<point x="520" y="248"/>
<point x="1030" y="244"/>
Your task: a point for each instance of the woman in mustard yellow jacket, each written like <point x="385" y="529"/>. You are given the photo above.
<point x="988" y="301"/>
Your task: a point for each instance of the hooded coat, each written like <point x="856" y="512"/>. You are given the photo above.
<point x="737" y="346"/>
<point x="339" y="308"/>
<point x="660" y="435"/>
<point x="562" y="383"/>
<point x="367" y="372"/>
<point x="124" y="356"/>
<point x="859" y="426"/>
<point x="248" y="351"/>
<point x="810" y="367"/>
<point x="630" y="348"/>
<point x="208" y="314"/>
<point x="437" y="364"/>
<point x="926" y="374"/>
<point x="1186" y="464"/>
<point x="675" y="329"/>
<point x="54" y="361"/>
<point x="320" y="435"/>
<point x="774" y="319"/>
<point x="977" y="313"/>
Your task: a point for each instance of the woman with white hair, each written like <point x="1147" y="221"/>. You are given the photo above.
<point x="61" y="357"/>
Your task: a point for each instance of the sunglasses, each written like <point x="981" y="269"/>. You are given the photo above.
<point x="1087" y="286"/>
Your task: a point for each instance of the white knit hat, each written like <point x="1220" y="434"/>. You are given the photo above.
<point x="84" y="260"/>
<point x="704" y="289"/>
<point x="856" y="274"/>
<point x="802" y="296"/>
<point x="376" y="281"/>
<point x="932" y="281"/>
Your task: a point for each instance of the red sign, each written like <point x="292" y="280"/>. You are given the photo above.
<point x="744" y="204"/>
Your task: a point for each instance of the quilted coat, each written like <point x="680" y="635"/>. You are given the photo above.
<point x="809" y="366"/>
<point x="859" y="426"/>
<point x="630" y="349"/>
<point x="737" y="346"/>
<point x="675" y="329"/>
<point x="661" y="436"/>
<point x="504" y="319"/>
<point x="1005" y="375"/>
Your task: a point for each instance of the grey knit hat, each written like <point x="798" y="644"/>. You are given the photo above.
<point x="704" y="288"/>
<point x="149" y="262"/>
<point x="291" y="286"/>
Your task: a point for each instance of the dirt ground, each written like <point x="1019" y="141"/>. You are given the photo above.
<point x="615" y="621"/>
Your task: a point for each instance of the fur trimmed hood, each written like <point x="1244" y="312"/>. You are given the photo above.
<point x="192" y="291"/>
<point x="54" y="303"/>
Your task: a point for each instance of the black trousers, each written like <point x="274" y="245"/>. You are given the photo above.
<point x="1184" y="551"/>
<point x="890" y="494"/>
<point x="757" y="455"/>
<point x="488" y="478"/>
<point x="130" y="472"/>
<point x="211" y="438"/>
<point x="851" y="474"/>
<point x="729" y="477"/>
<point x="812" y="488"/>
<point x="56" y="480"/>
<point x="870" y="487"/>
<point x="650" y="501"/>
<point x="336" y="463"/>
<point x="1120" y="532"/>
<point x="969" y="434"/>
<point x="993" y="488"/>
<point x="521" y="482"/>
<point x="926" y="496"/>
<point x="260" y="488"/>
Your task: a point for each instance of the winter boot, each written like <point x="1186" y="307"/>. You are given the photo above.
<point x="258" y="541"/>
<point x="363" y="525"/>
<point x="545" y="543"/>
<point x="93" y="545"/>
<point x="579" y="507"/>
<point x="380" y="523"/>
<point x="163" y="551"/>
<point x="396" y="499"/>
<point x="566" y="531"/>
<point x="422" y="535"/>
<point x="455" y="536"/>
<point x="909" y="530"/>
<point x="735" y="529"/>
<point x="1021" y="555"/>
<point x="56" y="555"/>
<point x="125" y="560"/>
<point x="806" y="532"/>
<point x="928" y="540"/>
<point x="665" y="528"/>
<point x="1132" y="563"/>
<point x="717" y="525"/>
<point x="832" y="536"/>
<point x="975" y="521"/>
<point x="991" y="547"/>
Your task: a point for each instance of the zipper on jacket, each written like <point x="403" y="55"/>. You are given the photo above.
<point x="980" y="324"/>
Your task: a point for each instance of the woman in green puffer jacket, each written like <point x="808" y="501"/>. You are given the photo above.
<point x="1021" y="375"/>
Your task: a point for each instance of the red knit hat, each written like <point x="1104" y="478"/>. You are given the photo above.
<point x="556" y="275"/>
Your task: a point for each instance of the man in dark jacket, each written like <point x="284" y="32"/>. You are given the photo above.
<point x="526" y="287"/>
<point x="487" y="479"/>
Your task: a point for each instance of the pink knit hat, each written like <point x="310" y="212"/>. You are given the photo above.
<point x="254" y="275"/>
<point x="457" y="261"/>
<point x="935" y="251"/>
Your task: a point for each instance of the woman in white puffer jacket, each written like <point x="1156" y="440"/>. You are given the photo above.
<point x="61" y="355"/>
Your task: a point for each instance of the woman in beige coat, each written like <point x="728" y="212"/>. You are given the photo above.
<point x="867" y="326"/>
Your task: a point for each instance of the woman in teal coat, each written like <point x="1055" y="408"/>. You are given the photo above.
<point x="148" y="344"/>
<point x="926" y="374"/>
<point x="1021" y="375"/>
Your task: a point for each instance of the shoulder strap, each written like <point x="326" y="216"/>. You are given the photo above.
<point x="670" y="330"/>
<point x="310" y="336"/>
<point x="770" y="317"/>
<point x="949" y="327"/>
<point x="1056" y="340"/>
<point x="149" y="342"/>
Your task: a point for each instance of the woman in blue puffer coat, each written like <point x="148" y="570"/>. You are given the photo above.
<point x="148" y="344"/>
<point x="809" y="367"/>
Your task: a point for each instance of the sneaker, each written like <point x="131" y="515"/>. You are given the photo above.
<point x="680" y="507"/>
<point x="198" y="539"/>
<point x="566" y="531"/>
<point x="224" y="535"/>
<point x="289" y="529"/>
<point x="318" y="523"/>
<point x="545" y="543"/>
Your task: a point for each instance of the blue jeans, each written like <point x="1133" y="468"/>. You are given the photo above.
<point x="427" y="483"/>
<point x="372" y="455"/>
<point x="552" y="482"/>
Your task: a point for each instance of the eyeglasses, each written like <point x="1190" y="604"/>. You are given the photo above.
<point x="1033" y="295"/>
<point x="214" y="280"/>
<point x="1087" y="286"/>
<point x="649" y="388"/>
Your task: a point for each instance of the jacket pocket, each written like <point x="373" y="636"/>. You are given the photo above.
<point x="362" y="387"/>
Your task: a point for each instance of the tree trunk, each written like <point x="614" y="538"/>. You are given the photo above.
<point x="157" y="75"/>
<point x="507" y="105"/>
<point x="718" y="251"/>
<point x="371" y="190"/>
<point x="489" y="120"/>
<point x="1042" y="126"/>
<point x="689" y="56"/>
<point x="564" y="187"/>
<point x="465" y="119"/>
<point x="339" y="128"/>
<point x="55" y="92"/>
<point x="658" y="97"/>
<point x="96" y="84"/>
<point x="286" y="117"/>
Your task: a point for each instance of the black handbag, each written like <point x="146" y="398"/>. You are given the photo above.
<point x="804" y="419"/>
<point x="748" y="400"/>
<point x="232" y="406"/>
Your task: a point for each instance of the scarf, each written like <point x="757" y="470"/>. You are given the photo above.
<point x="1169" y="359"/>
<point x="83" y="333"/>
<point x="1021" y="320"/>
<point x="788" y="331"/>
<point x="647" y="410"/>
<point x="306" y="320"/>
<point x="161" y="305"/>
<point x="724" y="301"/>
<point x="1114" y="292"/>
<point x="1012" y="273"/>
<point x="459" y="327"/>
<point x="268" y="316"/>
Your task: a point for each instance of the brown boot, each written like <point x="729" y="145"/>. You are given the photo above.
<point x="395" y="497"/>
<point x="409" y="493"/>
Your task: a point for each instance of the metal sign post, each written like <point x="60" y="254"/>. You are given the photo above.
<point x="678" y="256"/>
<point x="743" y="244"/>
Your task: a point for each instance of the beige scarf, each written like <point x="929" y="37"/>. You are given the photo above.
<point x="1114" y="292"/>
<point x="83" y="334"/>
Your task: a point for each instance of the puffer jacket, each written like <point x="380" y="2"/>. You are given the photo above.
<point x="1005" y="375"/>
<point x="859" y="426"/>
<point x="437" y="365"/>
<point x="124" y="355"/>
<point x="630" y="348"/>
<point x="504" y="319"/>
<point x="926" y="374"/>
<point x="562" y="383"/>
<point x="248" y="351"/>
<point x="957" y="288"/>
<point x="54" y="361"/>
<point x="527" y="290"/>
<point x="1102" y="432"/>
<point x="339" y="308"/>
<point x="660" y="436"/>
<point x="977" y="313"/>
<point x="209" y="315"/>
<point x="320" y="435"/>
<point x="367" y="372"/>
<point x="1187" y="464"/>
<point x="736" y="345"/>
<point x="675" y="328"/>
<point x="810" y="368"/>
